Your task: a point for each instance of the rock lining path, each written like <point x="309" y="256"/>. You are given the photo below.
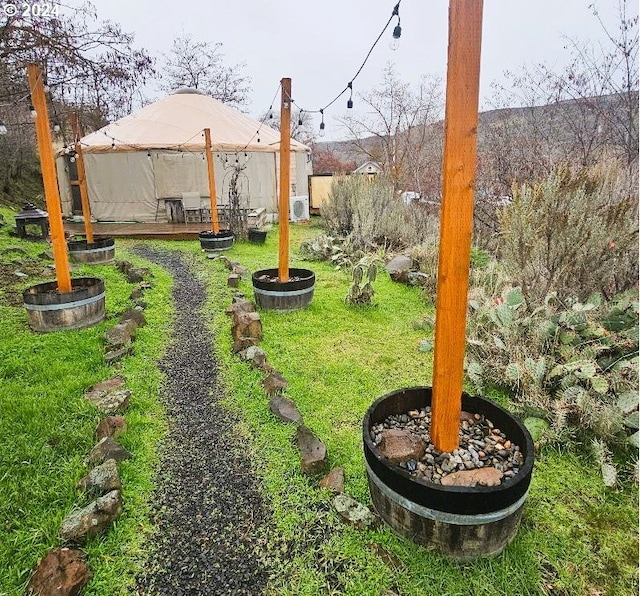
<point x="207" y="506"/>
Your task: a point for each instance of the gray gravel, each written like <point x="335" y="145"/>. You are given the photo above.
<point x="207" y="507"/>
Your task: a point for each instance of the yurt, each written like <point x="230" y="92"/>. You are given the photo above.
<point x="150" y="166"/>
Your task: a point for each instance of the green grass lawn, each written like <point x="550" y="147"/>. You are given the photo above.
<point x="577" y="537"/>
<point x="48" y="427"/>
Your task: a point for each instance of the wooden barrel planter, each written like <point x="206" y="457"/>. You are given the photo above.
<point x="271" y="294"/>
<point x="461" y="522"/>
<point x="257" y="236"/>
<point x="210" y="241"/>
<point x="98" y="252"/>
<point x="50" y="310"/>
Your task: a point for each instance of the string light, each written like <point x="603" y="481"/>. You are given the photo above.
<point x="3" y="128"/>
<point x="56" y="126"/>
<point x="394" y="44"/>
<point x="300" y="118"/>
<point x="395" y="39"/>
<point x="32" y="112"/>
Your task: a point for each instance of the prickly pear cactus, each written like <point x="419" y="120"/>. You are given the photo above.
<point x="361" y="293"/>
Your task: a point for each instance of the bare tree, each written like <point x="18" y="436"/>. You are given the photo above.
<point x="200" y="65"/>
<point x="88" y="65"/>
<point x="594" y="113"/>
<point x="581" y="115"/>
<point x="398" y="130"/>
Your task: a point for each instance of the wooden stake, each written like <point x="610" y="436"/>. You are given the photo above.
<point x="212" y="182"/>
<point x="82" y="179"/>
<point x="285" y="166"/>
<point x="456" y="224"/>
<point x="47" y="164"/>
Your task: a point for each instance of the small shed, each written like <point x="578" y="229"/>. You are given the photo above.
<point x="369" y="167"/>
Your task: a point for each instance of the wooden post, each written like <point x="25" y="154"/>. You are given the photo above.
<point x="285" y="166"/>
<point x="47" y="164"/>
<point x="212" y="182"/>
<point x="82" y="179"/>
<point x="456" y="223"/>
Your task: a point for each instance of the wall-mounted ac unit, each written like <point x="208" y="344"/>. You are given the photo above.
<point x="299" y="208"/>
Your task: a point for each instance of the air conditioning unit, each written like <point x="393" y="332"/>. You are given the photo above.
<point x="299" y="208"/>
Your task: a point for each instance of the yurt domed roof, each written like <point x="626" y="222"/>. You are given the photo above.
<point x="177" y="122"/>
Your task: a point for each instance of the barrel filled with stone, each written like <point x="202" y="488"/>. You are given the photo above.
<point x="467" y="503"/>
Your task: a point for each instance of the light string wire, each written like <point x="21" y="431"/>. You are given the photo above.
<point x="349" y="87"/>
<point x="179" y="147"/>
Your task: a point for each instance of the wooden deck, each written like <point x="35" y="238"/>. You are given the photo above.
<point x="152" y="231"/>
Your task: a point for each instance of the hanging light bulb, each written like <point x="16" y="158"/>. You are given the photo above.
<point x="32" y="112"/>
<point x="46" y="88"/>
<point x="56" y="126"/>
<point x="394" y="44"/>
<point x="300" y="118"/>
<point x="72" y="158"/>
<point x="113" y="143"/>
<point x="321" y="132"/>
<point x="3" y="128"/>
<point x="149" y="155"/>
<point x="270" y="114"/>
<point x="350" y="100"/>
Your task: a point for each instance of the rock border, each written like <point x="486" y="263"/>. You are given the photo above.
<point x="246" y="331"/>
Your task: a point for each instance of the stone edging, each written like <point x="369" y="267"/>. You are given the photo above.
<point x="64" y="570"/>
<point x="246" y="330"/>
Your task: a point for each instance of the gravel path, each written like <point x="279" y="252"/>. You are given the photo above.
<point x="207" y="507"/>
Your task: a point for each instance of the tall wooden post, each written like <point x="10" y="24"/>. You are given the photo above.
<point x="47" y="164"/>
<point x="456" y="223"/>
<point x="285" y="166"/>
<point x="82" y="179"/>
<point x="212" y="182"/>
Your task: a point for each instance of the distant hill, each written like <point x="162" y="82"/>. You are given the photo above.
<point x="564" y="126"/>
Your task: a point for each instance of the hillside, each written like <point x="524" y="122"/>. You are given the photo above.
<point x="566" y="127"/>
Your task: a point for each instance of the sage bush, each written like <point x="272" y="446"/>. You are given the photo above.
<point x="574" y="233"/>
<point x="369" y="214"/>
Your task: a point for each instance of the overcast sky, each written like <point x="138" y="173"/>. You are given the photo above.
<point x="321" y="44"/>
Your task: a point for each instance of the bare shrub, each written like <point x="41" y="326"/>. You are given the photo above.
<point x="574" y="233"/>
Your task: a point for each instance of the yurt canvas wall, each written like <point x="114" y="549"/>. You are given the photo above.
<point x="138" y="165"/>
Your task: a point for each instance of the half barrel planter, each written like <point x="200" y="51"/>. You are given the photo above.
<point x="257" y="236"/>
<point x="51" y="310"/>
<point x="98" y="252"/>
<point x="272" y="294"/>
<point x="210" y="241"/>
<point x="461" y="522"/>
